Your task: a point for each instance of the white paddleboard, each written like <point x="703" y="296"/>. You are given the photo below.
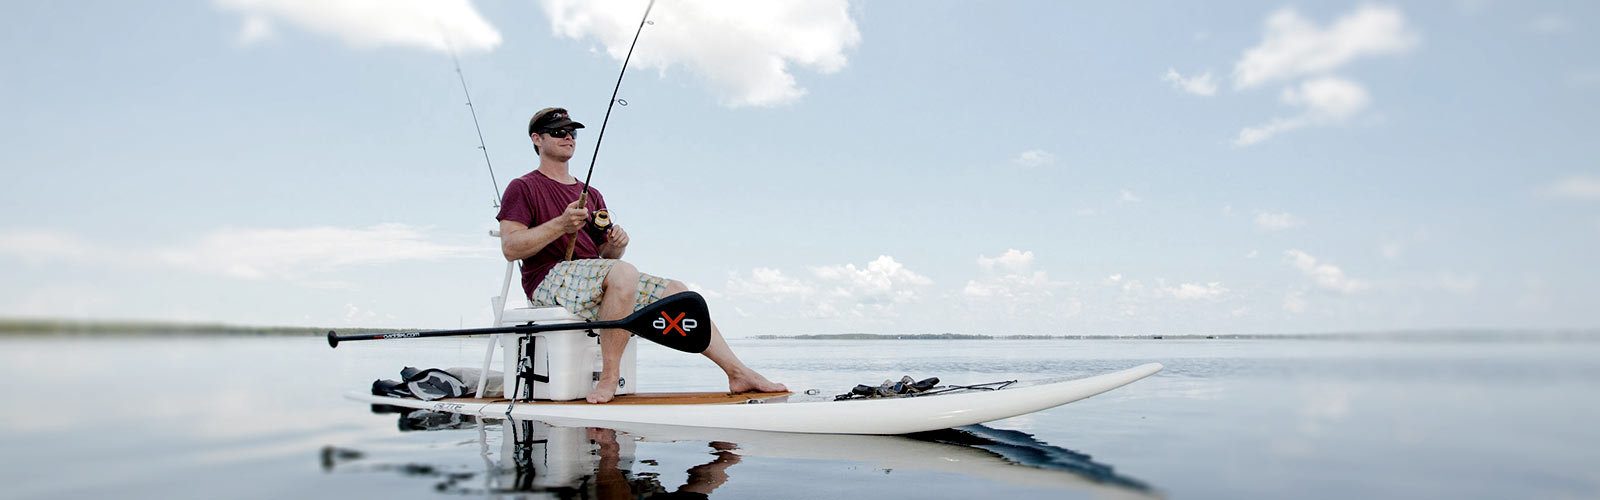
<point x="786" y="412"/>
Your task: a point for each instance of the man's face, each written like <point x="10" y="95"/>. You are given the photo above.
<point x="558" y="144"/>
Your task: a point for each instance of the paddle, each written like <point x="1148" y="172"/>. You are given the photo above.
<point x="679" y="321"/>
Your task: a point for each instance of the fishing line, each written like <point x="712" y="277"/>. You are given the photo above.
<point x="474" y="110"/>
<point x="584" y="197"/>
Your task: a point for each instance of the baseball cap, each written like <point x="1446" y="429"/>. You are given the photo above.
<point x="550" y="119"/>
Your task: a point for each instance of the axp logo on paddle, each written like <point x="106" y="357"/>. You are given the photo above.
<point x="667" y="324"/>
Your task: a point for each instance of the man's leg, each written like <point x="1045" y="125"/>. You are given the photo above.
<point x="619" y="291"/>
<point x="740" y="377"/>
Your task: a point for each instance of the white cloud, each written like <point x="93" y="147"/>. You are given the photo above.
<point x="768" y="285"/>
<point x="38" y="247"/>
<point x="1195" y="291"/>
<point x="1392" y="251"/>
<point x="843" y="291"/>
<point x="1034" y="158"/>
<point x="1324" y="275"/>
<point x="1013" y="261"/>
<point x="1277" y="221"/>
<point x="299" y="254"/>
<point x="882" y="281"/>
<point x="1550" y="24"/>
<point x="702" y="290"/>
<point x="828" y="310"/>
<point x="1010" y="282"/>
<point x="1031" y="285"/>
<point x="1202" y="85"/>
<point x="1251" y="135"/>
<point x="1328" y="97"/>
<point x="1133" y="298"/>
<point x="743" y="49"/>
<point x="255" y="29"/>
<point x="438" y="25"/>
<point x="1294" y="47"/>
<point x="1127" y="196"/>
<point x="356" y="315"/>
<point x="1576" y="187"/>
<point x="1324" y="100"/>
<point x="1294" y="302"/>
<point x="1133" y="286"/>
<point x="1253" y="254"/>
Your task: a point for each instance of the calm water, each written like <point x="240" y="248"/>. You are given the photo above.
<point x="263" y="418"/>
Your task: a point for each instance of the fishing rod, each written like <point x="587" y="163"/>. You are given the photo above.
<point x="583" y="198"/>
<point x="474" y="109"/>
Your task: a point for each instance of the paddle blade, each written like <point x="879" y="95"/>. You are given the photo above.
<point x="679" y="321"/>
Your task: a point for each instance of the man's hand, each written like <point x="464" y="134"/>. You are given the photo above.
<point x="616" y="243"/>
<point x="616" y="238"/>
<point x="573" y="219"/>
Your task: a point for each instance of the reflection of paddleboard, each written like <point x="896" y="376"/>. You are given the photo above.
<point x="535" y="457"/>
<point x="785" y="412"/>
<point x="977" y="451"/>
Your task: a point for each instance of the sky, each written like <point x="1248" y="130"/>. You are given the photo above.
<point x="821" y="166"/>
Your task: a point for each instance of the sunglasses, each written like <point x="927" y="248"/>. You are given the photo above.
<point x="562" y="133"/>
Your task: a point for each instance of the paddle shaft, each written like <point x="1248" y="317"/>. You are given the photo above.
<point x="334" y="338"/>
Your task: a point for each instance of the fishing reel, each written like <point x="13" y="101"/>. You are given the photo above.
<point x="599" y="224"/>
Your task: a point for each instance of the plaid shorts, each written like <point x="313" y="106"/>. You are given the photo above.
<point x="575" y="285"/>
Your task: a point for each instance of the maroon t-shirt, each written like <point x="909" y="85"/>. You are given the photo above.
<point x="533" y="199"/>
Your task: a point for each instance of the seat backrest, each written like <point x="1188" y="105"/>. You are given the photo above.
<point x="522" y="310"/>
<point x="498" y="303"/>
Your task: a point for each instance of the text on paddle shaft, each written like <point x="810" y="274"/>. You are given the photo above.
<point x="667" y="324"/>
<point x="406" y="335"/>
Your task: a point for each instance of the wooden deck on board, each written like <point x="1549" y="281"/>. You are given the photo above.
<point x="650" y="398"/>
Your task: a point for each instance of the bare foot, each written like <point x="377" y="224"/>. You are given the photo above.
<point x="604" y="390"/>
<point x="753" y="382"/>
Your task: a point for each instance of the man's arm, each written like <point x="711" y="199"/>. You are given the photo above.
<point x="518" y="241"/>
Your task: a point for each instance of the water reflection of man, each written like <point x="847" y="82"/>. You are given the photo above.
<point x="612" y="482"/>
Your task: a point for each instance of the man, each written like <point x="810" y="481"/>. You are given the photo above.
<point x="540" y="214"/>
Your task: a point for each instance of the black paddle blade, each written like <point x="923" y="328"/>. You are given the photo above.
<point x="679" y="321"/>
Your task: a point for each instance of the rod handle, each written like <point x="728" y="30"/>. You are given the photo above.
<point x="572" y="243"/>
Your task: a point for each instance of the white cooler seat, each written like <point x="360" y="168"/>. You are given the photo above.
<point x="571" y="358"/>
